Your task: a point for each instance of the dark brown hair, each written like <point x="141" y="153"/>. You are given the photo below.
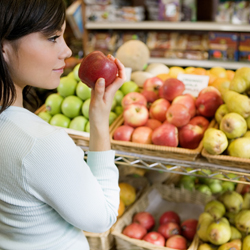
<point x="17" y="19"/>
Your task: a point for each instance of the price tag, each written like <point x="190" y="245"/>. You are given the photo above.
<point x="193" y="83"/>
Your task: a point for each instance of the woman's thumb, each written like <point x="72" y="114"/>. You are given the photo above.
<point x="100" y="85"/>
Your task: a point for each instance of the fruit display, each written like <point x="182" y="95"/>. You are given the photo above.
<point x="163" y="217"/>
<point x="69" y="107"/>
<point x="231" y="136"/>
<point x="208" y="186"/>
<point x="225" y="222"/>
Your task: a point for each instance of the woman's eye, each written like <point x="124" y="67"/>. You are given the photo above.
<point x="53" y="39"/>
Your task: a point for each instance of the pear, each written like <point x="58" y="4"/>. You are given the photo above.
<point x="240" y="147"/>
<point x="215" y="208"/>
<point x="232" y="201"/>
<point x="247" y="134"/>
<point x="246" y="243"/>
<point x="246" y="201"/>
<point x="242" y="221"/>
<point x="204" y="221"/>
<point x="231" y="217"/>
<point x="215" y="141"/>
<point x="235" y="233"/>
<point x="248" y="122"/>
<point x="220" y="112"/>
<point x="219" y="232"/>
<point x="232" y="245"/>
<point x="237" y="103"/>
<point x="233" y="125"/>
<point x="241" y="80"/>
<point x="206" y="246"/>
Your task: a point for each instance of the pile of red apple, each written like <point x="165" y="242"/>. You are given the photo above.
<point x="171" y="232"/>
<point x="162" y="114"/>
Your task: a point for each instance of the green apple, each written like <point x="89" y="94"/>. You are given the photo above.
<point x="67" y="86"/>
<point x="112" y="117"/>
<point x="75" y="71"/>
<point x="60" y="120"/>
<point x="113" y="105"/>
<point x="204" y="189"/>
<point x="53" y="104"/>
<point x="83" y="91"/>
<point x="118" y="97"/>
<point x="87" y="128"/>
<point x="128" y="87"/>
<point x="78" y="123"/>
<point x="118" y="110"/>
<point x="228" y="186"/>
<point x="71" y="75"/>
<point x="71" y="106"/>
<point x="85" y="108"/>
<point x="45" y="116"/>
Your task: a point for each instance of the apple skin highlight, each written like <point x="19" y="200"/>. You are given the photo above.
<point x="96" y="65"/>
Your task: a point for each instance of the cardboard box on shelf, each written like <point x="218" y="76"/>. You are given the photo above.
<point x="244" y="47"/>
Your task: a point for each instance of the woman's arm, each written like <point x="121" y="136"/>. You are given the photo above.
<point x="100" y="106"/>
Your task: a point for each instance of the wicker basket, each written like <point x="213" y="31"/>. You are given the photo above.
<point x="106" y="241"/>
<point x="80" y="138"/>
<point x="155" y="150"/>
<point x="175" y="199"/>
<point x="227" y="160"/>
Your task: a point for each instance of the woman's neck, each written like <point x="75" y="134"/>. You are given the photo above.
<point x="19" y="97"/>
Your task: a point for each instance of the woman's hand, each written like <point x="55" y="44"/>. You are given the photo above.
<point x="99" y="109"/>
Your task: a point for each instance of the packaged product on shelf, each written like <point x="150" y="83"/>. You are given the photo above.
<point x="241" y="12"/>
<point x="244" y="47"/>
<point x="189" y="10"/>
<point x="129" y="35"/>
<point x="102" y="41"/>
<point x="100" y="13"/>
<point x="130" y="13"/>
<point x="225" y="11"/>
<point x="152" y="9"/>
<point x="102" y="2"/>
<point x="223" y="46"/>
<point x="170" y="10"/>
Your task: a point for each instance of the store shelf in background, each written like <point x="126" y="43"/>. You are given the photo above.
<point x="199" y="63"/>
<point x="180" y="166"/>
<point x="161" y="25"/>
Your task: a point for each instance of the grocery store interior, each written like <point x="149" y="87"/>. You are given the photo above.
<point x="187" y="151"/>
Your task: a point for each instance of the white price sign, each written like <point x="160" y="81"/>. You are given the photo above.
<point x="193" y="83"/>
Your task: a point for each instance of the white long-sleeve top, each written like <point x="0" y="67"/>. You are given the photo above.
<point x="48" y="193"/>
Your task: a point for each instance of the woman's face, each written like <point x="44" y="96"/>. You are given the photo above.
<point x="37" y="60"/>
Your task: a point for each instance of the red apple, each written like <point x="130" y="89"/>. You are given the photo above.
<point x="135" y="230"/>
<point x="155" y="238"/>
<point x="210" y="89"/>
<point x="171" y="88"/>
<point x="153" y="84"/>
<point x="135" y="115"/>
<point x="158" y="109"/>
<point x="142" y="134"/>
<point x="188" y="101"/>
<point x="145" y="219"/>
<point x="169" y="229"/>
<point x="169" y="216"/>
<point x="133" y="98"/>
<point x="165" y="135"/>
<point x="153" y="123"/>
<point x="207" y="103"/>
<point x="177" y="242"/>
<point x="190" y="136"/>
<point x="96" y="65"/>
<point x="178" y="115"/>
<point x="245" y="189"/>
<point x="188" y="228"/>
<point x="201" y="121"/>
<point x="150" y="95"/>
<point x="123" y="133"/>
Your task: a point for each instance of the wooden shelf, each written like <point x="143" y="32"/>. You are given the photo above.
<point x="161" y="25"/>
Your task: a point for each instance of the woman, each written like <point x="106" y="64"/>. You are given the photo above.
<point x="48" y="193"/>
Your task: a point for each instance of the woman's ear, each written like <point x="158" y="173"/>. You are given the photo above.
<point x="5" y="48"/>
